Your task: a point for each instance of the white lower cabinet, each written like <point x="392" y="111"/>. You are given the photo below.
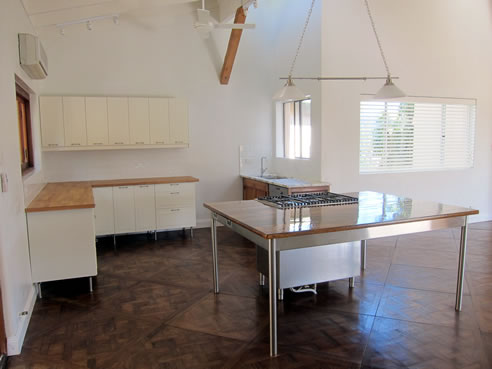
<point x="104" y="211"/>
<point x="61" y="244"/>
<point x="176" y="218"/>
<point x="142" y="208"/>
<point x="124" y="209"/>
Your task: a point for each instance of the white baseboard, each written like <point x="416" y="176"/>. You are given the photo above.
<point x="14" y="343"/>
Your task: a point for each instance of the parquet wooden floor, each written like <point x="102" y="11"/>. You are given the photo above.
<point x="153" y="308"/>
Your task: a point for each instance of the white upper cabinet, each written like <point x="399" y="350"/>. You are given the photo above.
<point x="74" y="121"/>
<point x="52" y="130"/>
<point x="97" y="120"/>
<point x="118" y="123"/>
<point x="104" y="123"/>
<point x="178" y="116"/>
<point x="138" y="112"/>
<point x="159" y="120"/>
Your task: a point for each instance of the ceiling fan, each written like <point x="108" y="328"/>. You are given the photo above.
<point x="206" y="23"/>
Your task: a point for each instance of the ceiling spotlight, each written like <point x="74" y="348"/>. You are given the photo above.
<point x="89" y="25"/>
<point x="116" y="19"/>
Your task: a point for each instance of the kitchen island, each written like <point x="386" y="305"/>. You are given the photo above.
<point x="375" y="215"/>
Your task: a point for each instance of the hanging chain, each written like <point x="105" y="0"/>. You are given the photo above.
<point x="377" y="38"/>
<point x="302" y="38"/>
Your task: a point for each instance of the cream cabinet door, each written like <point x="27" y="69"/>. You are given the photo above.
<point x="124" y="209"/>
<point x="74" y="121"/>
<point x="159" y="120"/>
<point x="104" y="211"/>
<point x="118" y="124"/>
<point x="52" y="131"/>
<point x="96" y="109"/>
<point x="138" y="112"/>
<point x="144" y="208"/>
<point x="178" y="117"/>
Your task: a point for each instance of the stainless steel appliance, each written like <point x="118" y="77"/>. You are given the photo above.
<point x="312" y="265"/>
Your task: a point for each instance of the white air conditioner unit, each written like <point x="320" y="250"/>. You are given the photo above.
<point x="32" y="56"/>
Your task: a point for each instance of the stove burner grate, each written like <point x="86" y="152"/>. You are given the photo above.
<point x="311" y="199"/>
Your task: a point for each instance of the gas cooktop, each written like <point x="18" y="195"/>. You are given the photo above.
<point x="308" y="200"/>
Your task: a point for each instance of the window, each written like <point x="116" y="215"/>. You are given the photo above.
<point x="416" y="135"/>
<point x="296" y="129"/>
<point x="25" y="136"/>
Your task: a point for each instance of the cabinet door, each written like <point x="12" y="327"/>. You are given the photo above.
<point x="138" y="113"/>
<point x="52" y="131"/>
<point x="124" y="209"/>
<point x="104" y="211"/>
<point x="144" y="208"/>
<point x="96" y="109"/>
<point x="118" y="125"/>
<point x="172" y="218"/>
<point x="178" y="116"/>
<point x="74" y="121"/>
<point x="159" y="120"/>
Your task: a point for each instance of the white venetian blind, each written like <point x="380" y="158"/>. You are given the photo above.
<point x="416" y="135"/>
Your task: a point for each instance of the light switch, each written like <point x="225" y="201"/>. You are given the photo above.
<point x="4" y="182"/>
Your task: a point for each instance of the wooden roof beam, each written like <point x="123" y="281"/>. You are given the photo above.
<point x="232" y="47"/>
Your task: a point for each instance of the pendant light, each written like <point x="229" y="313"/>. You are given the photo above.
<point x="290" y="92"/>
<point x="389" y="90"/>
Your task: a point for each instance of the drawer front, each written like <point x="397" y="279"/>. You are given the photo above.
<point x="176" y="218"/>
<point x="174" y="195"/>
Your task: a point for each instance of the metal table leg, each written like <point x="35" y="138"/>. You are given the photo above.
<point x="363" y="254"/>
<point x="90" y="285"/>
<point x="214" y="253"/>
<point x="461" y="267"/>
<point x="351" y="282"/>
<point x="272" y="294"/>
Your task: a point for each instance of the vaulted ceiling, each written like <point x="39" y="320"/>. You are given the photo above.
<point x="48" y="13"/>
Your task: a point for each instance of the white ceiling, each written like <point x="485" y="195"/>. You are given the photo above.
<point x="45" y="13"/>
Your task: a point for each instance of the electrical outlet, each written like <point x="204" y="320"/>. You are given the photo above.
<point x="4" y="182"/>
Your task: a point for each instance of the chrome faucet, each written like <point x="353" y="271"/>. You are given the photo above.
<point x="263" y="169"/>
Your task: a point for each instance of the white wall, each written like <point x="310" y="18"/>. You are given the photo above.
<point x="438" y="48"/>
<point x="166" y="57"/>
<point x="286" y="21"/>
<point x="15" y="273"/>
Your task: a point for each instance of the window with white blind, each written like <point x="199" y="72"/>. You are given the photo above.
<point x="416" y="134"/>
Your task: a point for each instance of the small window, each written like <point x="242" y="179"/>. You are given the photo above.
<point x="25" y="133"/>
<point x="296" y="129"/>
<point x="418" y="134"/>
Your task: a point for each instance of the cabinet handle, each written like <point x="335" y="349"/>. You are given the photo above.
<point x="174" y="184"/>
<point x="75" y="144"/>
<point x="119" y="143"/>
<point x="122" y="186"/>
<point x="175" y="209"/>
<point x="144" y="186"/>
<point x="52" y="145"/>
<point x="159" y="142"/>
<point x="97" y="143"/>
<point x="174" y="193"/>
<point x="140" y="143"/>
<point x="178" y="142"/>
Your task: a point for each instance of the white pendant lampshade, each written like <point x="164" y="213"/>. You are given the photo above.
<point x="389" y="91"/>
<point x="289" y="92"/>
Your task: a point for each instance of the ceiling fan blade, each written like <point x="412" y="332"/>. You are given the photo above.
<point x="235" y="26"/>
<point x="203" y="16"/>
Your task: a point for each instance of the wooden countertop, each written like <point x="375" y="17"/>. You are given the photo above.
<point x="78" y="195"/>
<point x="373" y="209"/>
